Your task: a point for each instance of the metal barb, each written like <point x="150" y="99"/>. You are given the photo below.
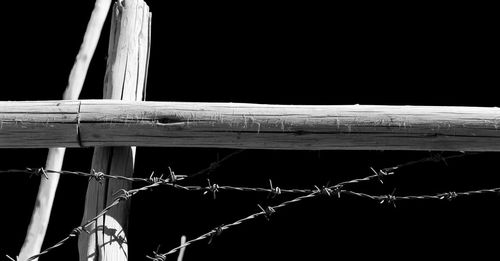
<point x="212" y="188"/>
<point x="268" y="211"/>
<point x="438" y="157"/>
<point x="389" y="199"/>
<point x="380" y="174"/>
<point x="215" y="233"/>
<point x="97" y="175"/>
<point x="324" y="190"/>
<point x="173" y="178"/>
<point x="158" y="256"/>
<point x="337" y="190"/>
<point x="449" y="196"/>
<point x="38" y="172"/>
<point x="275" y="191"/>
<point x="213" y="166"/>
<point x="125" y="194"/>
<point x="78" y="230"/>
<point x="153" y="180"/>
<point x="388" y="171"/>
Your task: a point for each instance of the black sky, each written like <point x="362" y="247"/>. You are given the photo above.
<point x="284" y="54"/>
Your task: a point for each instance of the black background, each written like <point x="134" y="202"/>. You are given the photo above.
<point x="283" y="54"/>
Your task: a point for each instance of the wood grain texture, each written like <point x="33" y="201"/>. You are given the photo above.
<point x="55" y="157"/>
<point x="259" y="126"/>
<point x="124" y="80"/>
<point x="43" y="206"/>
<point x="37" y="122"/>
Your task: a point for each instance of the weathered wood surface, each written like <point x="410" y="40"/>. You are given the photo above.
<point x="47" y="189"/>
<point x="255" y="126"/>
<point x="124" y="80"/>
<point x="22" y="124"/>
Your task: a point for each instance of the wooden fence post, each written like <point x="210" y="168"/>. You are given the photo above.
<point x="47" y="189"/>
<point x="125" y="79"/>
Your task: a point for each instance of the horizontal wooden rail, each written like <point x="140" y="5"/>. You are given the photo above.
<point x="88" y="123"/>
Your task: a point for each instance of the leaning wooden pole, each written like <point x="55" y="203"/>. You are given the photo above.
<point x="55" y="157"/>
<point x="88" y="123"/>
<point x="125" y="80"/>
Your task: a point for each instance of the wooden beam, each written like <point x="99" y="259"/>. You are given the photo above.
<point x="89" y="123"/>
<point x="125" y="79"/>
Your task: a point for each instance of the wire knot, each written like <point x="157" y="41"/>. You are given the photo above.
<point x="77" y="231"/>
<point x="268" y="211"/>
<point x="324" y="190"/>
<point x="214" y="188"/>
<point x="173" y="177"/>
<point x="389" y="199"/>
<point x="213" y="166"/>
<point x="381" y="173"/>
<point x="153" y="179"/>
<point x="158" y="256"/>
<point x="337" y="190"/>
<point x="388" y="171"/>
<point x="437" y="157"/>
<point x="215" y="233"/>
<point x="275" y="191"/>
<point x="97" y="175"/>
<point x="449" y="196"/>
<point x="328" y="191"/>
<point x="125" y="194"/>
<point x="38" y="172"/>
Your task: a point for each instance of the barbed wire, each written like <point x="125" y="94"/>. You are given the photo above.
<point x="328" y="191"/>
<point x="125" y="195"/>
<point x="99" y="176"/>
<point x="268" y="211"/>
<point x="173" y="178"/>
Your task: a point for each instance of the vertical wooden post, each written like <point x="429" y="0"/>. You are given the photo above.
<point x="47" y="190"/>
<point x="125" y="79"/>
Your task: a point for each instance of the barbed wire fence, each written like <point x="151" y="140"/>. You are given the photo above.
<point x="173" y="181"/>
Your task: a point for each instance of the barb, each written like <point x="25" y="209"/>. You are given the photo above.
<point x="434" y="157"/>
<point x="268" y="211"/>
<point x="389" y="199"/>
<point x="214" y="188"/>
<point x="217" y="231"/>
<point x="214" y="165"/>
<point x="275" y="191"/>
<point x="125" y="195"/>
